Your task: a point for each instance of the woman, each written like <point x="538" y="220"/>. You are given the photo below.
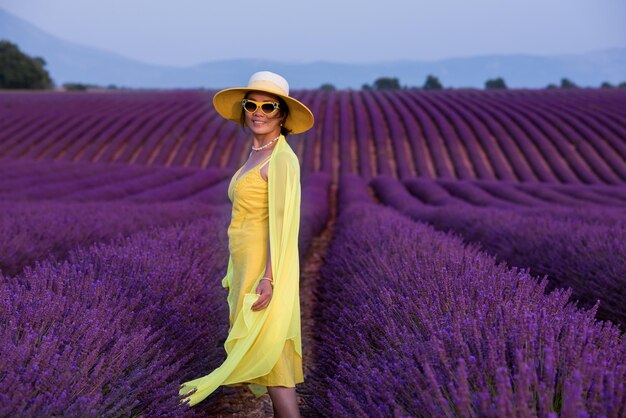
<point x="264" y="343"/>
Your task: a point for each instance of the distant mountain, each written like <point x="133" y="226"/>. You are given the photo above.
<point x="72" y="62"/>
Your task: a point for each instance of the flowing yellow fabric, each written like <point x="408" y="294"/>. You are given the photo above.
<point x="263" y="347"/>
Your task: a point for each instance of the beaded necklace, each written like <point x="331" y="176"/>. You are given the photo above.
<point x="266" y="145"/>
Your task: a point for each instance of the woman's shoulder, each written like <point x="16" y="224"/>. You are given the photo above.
<point x="286" y="155"/>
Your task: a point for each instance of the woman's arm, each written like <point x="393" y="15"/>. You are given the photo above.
<point x="284" y="219"/>
<point x="264" y="288"/>
<point x="268" y="264"/>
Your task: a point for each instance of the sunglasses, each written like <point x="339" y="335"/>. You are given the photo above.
<point x="251" y="106"/>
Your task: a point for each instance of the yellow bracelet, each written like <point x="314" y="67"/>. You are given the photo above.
<point x="269" y="279"/>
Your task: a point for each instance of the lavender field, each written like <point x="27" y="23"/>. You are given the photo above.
<point x="463" y="253"/>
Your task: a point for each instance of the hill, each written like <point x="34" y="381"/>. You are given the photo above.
<point x="72" y="62"/>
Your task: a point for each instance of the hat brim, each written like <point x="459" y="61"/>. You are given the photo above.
<point x="228" y="104"/>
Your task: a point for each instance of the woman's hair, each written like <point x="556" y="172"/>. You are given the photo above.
<point x="283" y="113"/>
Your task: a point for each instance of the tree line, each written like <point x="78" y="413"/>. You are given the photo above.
<point x="433" y="83"/>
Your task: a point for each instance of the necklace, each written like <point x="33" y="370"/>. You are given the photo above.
<point x="266" y="145"/>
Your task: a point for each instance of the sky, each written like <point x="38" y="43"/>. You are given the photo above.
<point x="187" y="32"/>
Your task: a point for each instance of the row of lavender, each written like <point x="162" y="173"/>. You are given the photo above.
<point x="26" y="180"/>
<point x="48" y="230"/>
<point x="22" y="180"/>
<point x="511" y="195"/>
<point x="131" y="306"/>
<point x="521" y="135"/>
<point x="48" y="208"/>
<point x="577" y="246"/>
<point x="413" y="322"/>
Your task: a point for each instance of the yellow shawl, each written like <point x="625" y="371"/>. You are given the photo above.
<point x="256" y="338"/>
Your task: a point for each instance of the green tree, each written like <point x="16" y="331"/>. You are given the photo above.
<point x="432" y="83"/>
<point x="622" y="85"/>
<point x="327" y="87"/>
<point x="606" y="85"/>
<point x="386" y="83"/>
<point x="75" y="86"/>
<point x="19" y="71"/>
<point x="567" y="84"/>
<point x="495" y="83"/>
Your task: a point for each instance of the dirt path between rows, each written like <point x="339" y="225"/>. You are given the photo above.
<point x="309" y="279"/>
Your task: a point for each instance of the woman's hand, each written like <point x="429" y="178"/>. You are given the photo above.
<point x="264" y="289"/>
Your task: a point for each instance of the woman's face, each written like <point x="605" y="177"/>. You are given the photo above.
<point x="260" y="123"/>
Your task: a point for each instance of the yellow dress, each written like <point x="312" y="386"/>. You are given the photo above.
<point x="264" y="347"/>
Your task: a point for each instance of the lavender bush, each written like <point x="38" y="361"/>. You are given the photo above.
<point x="114" y="329"/>
<point x="214" y="195"/>
<point x="314" y="209"/>
<point x="352" y="190"/>
<point x="188" y="187"/>
<point x="130" y="187"/>
<point x="581" y="253"/>
<point x="411" y="322"/>
<point x="589" y="258"/>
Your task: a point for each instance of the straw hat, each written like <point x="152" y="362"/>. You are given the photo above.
<point x="228" y="102"/>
